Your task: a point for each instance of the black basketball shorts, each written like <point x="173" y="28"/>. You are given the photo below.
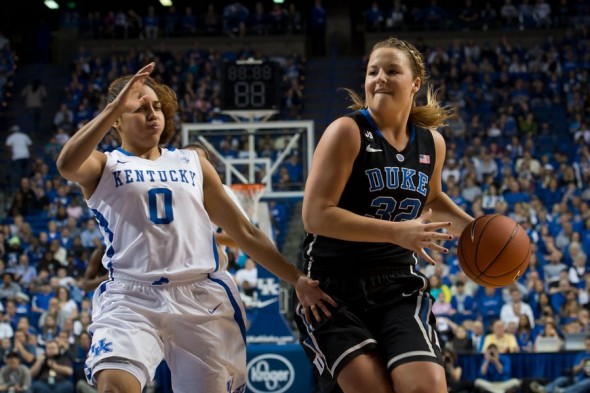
<point x="388" y="313"/>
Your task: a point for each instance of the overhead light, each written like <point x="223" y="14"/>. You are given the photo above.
<point x="166" y="3"/>
<point x="51" y="4"/>
<point x="278" y="1"/>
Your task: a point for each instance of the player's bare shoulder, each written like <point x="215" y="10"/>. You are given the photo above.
<point x="342" y="133"/>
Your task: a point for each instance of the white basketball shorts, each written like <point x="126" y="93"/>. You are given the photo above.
<point x="197" y="327"/>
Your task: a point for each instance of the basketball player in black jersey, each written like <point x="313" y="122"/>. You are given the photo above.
<point x="373" y="204"/>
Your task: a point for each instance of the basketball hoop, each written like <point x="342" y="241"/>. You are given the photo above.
<point x="249" y="195"/>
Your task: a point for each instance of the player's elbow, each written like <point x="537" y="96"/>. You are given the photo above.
<point x="315" y="218"/>
<point x="312" y="223"/>
<point x="64" y="167"/>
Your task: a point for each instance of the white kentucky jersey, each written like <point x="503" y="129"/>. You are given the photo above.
<point x="153" y="219"/>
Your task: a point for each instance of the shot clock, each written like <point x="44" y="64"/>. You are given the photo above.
<point x="251" y="85"/>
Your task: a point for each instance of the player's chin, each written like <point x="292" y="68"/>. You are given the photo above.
<point x="382" y="102"/>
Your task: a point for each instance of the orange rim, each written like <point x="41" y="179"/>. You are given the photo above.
<point x="251" y="187"/>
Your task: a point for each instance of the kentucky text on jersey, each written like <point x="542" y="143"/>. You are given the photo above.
<point x="140" y="176"/>
<point x="392" y="179"/>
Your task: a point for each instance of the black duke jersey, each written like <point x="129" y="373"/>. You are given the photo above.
<point x="386" y="184"/>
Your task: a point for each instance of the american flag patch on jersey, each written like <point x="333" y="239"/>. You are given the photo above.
<point x="424" y="159"/>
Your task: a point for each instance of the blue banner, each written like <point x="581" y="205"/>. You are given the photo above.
<point x="267" y="325"/>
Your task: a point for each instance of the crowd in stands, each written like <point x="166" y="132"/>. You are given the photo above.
<point x="232" y="19"/>
<point x="518" y="146"/>
<point x="239" y="19"/>
<point x="470" y="15"/>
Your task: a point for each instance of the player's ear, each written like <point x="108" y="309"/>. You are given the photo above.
<point x="417" y="84"/>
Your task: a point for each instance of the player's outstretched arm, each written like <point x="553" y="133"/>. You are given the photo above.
<point x="224" y="213"/>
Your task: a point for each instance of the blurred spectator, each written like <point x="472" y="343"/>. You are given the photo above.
<point x="19" y="144"/>
<point x="211" y="21"/>
<point x="34" y="95"/>
<point x="524" y="334"/>
<point x="549" y="330"/>
<point x="373" y="17"/>
<point x="235" y="16"/>
<point x="488" y="17"/>
<point x="441" y="306"/>
<point x="6" y="330"/>
<point x="469" y="17"/>
<point x="63" y="117"/>
<point x="82" y="348"/>
<point x="277" y="19"/>
<point x="11" y="314"/>
<point x="454" y="373"/>
<point x="170" y="21"/>
<point x="477" y="334"/>
<point x="247" y="278"/>
<point x="460" y="341"/>
<point x="295" y="21"/>
<point x="68" y="309"/>
<point x="525" y="15"/>
<point x="259" y="20"/>
<point x="503" y="341"/>
<point x="91" y="236"/>
<point x="42" y="297"/>
<point x="509" y="15"/>
<point x="489" y="304"/>
<point x="9" y="288"/>
<point x="462" y="303"/>
<point x="24" y="272"/>
<point x="512" y="311"/>
<point x="395" y="16"/>
<point x="151" y="24"/>
<point x="542" y="14"/>
<point x="15" y="377"/>
<point x="188" y="22"/>
<point x="52" y="372"/>
<point x="25" y="351"/>
<point x="48" y="326"/>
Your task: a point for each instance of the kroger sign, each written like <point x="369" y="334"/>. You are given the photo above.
<point x="270" y="373"/>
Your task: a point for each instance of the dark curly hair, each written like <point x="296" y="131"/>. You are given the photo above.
<point x="167" y="98"/>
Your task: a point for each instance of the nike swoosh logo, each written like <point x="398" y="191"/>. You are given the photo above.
<point x="212" y="310"/>
<point x="372" y="150"/>
<point x="266" y="303"/>
<point x="122" y="162"/>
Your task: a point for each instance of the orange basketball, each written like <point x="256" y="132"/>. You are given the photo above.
<point x="494" y="250"/>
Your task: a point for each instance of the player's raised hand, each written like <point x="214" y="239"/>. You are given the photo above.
<point x="129" y="99"/>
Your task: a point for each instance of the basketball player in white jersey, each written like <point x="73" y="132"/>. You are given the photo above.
<point x="166" y="297"/>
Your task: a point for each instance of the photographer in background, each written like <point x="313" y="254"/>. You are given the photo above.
<point x="453" y="373"/>
<point x="495" y="372"/>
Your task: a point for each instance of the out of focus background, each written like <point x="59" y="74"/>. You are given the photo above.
<point x="258" y="82"/>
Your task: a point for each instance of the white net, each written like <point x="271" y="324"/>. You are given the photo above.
<point x="249" y="196"/>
